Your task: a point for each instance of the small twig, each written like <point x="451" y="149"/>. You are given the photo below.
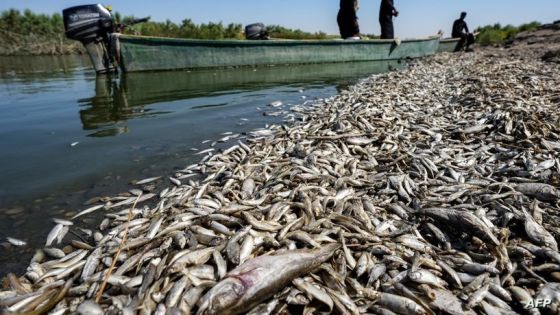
<point x="104" y="284"/>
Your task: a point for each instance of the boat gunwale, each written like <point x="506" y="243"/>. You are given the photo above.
<point x="450" y="40"/>
<point x="152" y="40"/>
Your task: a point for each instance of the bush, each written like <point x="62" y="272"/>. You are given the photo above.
<point x="278" y="31"/>
<point x="491" y="37"/>
<point x="498" y="35"/>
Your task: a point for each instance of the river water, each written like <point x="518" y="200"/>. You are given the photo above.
<point x="67" y="136"/>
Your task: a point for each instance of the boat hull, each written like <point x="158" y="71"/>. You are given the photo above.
<point x="448" y="45"/>
<point x="157" y="54"/>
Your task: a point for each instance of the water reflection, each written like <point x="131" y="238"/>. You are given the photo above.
<point x="103" y="112"/>
<point x="117" y="100"/>
<point x="32" y="67"/>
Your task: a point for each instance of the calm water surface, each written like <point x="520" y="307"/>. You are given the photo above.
<point x="126" y="128"/>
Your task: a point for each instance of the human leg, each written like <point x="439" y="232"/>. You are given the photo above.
<point x="348" y="25"/>
<point x="469" y="40"/>
<point x="462" y="42"/>
<point x="355" y="27"/>
<point x="387" y="29"/>
<point x="342" y="25"/>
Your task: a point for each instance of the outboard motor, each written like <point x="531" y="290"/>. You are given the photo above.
<point x="92" y="25"/>
<point x="256" y="31"/>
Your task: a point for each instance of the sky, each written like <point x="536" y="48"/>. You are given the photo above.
<point x="417" y="18"/>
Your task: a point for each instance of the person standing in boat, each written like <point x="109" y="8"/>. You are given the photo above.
<point x="461" y="30"/>
<point x="386" y="13"/>
<point x="348" y="19"/>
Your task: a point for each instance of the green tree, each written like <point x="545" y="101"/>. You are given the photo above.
<point x="11" y="19"/>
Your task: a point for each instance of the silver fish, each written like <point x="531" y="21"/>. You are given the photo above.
<point x="259" y="278"/>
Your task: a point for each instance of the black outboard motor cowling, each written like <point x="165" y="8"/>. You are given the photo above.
<point x="256" y="31"/>
<point x="93" y="26"/>
<point x="87" y="22"/>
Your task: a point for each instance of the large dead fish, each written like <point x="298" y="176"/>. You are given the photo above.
<point x="260" y="278"/>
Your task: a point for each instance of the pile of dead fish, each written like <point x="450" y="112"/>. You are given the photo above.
<point x="431" y="190"/>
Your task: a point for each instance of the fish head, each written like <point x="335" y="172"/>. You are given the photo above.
<point x="223" y="297"/>
<point x="415" y="276"/>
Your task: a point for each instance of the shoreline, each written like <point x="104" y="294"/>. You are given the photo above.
<point x="364" y="169"/>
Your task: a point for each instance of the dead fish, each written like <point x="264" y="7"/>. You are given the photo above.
<point x="204" y="151"/>
<point x="63" y="222"/>
<point x="89" y="308"/>
<point x="259" y="278"/>
<point x="314" y="291"/>
<point x="540" y="191"/>
<point x="147" y="180"/>
<point x="538" y="233"/>
<point x="399" y="304"/>
<point x="475" y="129"/>
<point x="426" y="277"/>
<point x="175" y="181"/>
<point x="15" y="241"/>
<point x="359" y="140"/>
<point x="91" y="263"/>
<point x="88" y="210"/>
<point x="53" y="234"/>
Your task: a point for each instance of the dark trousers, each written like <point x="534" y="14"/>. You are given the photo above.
<point x="387" y="29"/>
<point x="348" y="25"/>
<point x="467" y="39"/>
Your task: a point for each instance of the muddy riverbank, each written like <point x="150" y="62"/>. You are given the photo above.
<point x="434" y="189"/>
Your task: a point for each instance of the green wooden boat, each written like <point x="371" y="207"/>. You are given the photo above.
<point x="93" y="25"/>
<point x="152" y="53"/>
